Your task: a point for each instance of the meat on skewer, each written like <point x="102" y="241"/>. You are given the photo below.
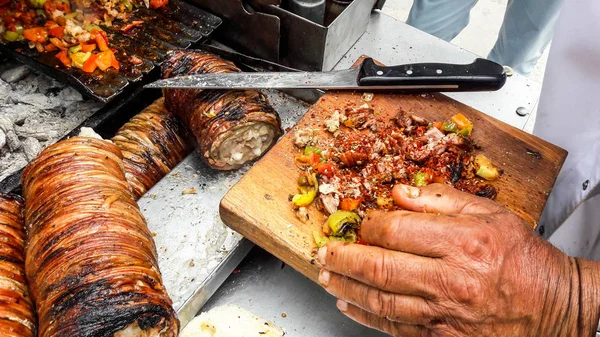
<point x="233" y="127"/>
<point x="153" y="142"/>
<point x="91" y="261"/>
<point x="17" y="317"/>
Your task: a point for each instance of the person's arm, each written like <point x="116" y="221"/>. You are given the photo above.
<point x="458" y="265"/>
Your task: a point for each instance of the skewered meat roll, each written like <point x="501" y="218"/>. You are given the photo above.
<point x="16" y="310"/>
<point x="90" y="261"/>
<point x="153" y="142"/>
<point x="233" y="127"/>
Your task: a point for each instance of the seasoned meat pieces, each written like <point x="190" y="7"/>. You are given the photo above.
<point x="90" y="261"/>
<point x="153" y="142"/>
<point x="233" y="127"/>
<point x="17" y="318"/>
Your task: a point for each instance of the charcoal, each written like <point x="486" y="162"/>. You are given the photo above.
<point x="31" y="148"/>
<point x="38" y="134"/>
<point x="15" y="74"/>
<point x="35" y="111"/>
<point x="29" y="84"/>
<point x="2" y="140"/>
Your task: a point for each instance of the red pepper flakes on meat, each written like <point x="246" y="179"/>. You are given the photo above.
<point x="360" y="165"/>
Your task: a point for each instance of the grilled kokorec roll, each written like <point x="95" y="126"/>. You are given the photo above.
<point x="90" y="261"/>
<point x="17" y="318"/>
<point x="232" y="127"/>
<point x="153" y="142"/>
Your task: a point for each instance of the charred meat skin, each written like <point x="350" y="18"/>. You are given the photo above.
<point x="90" y="260"/>
<point x="17" y="317"/>
<point x="153" y="142"/>
<point x="221" y="120"/>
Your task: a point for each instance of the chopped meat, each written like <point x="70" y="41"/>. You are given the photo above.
<point x="330" y="202"/>
<point x="303" y="137"/>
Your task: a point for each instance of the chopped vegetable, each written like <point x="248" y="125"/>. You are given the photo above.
<point x="79" y="58"/>
<point x="320" y="240"/>
<point x="341" y="221"/>
<point x="127" y="4"/>
<point x="71" y="15"/>
<point x="308" y="193"/>
<point x="310" y="159"/>
<point x="449" y="127"/>
<point x="101" y="40"/>
<point x="38" y="34"/>
<point x="90" y="65"/>
<point x="323" y="240"/>
<point x="64" y="58"/>
<point x="37" y="3"/>
<point x="462" y="122"/>
<point x="87" y="47"/>
<point x="305" y="199"/>
<point x="106" y="60"/>
<point x="75" y="49"/>
<point x="158" y="3"/>
<point x="324" y="169"/>
<point x="349" y="204"/>
<point x="485" y="168"/>
<point x="12" y="36"/>
<point x="311" y="149"/>
<point x="57" y="31"/>
<point x="420" y="179"/>
<point x="438" y="125"/>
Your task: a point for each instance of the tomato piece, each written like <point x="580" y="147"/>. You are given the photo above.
<point x="64" y="58"/>
<point x="37" y="34"/>
<point x="50" y="47"/>
<point x="158" y="3"/>
<point x="90" y="65"/>
<point x="101" y="40"/>
<point x="58" y="32"/>
<point x="106" y="60"/>
<point x="88" y="47"/>
<point x="438" y="125"/>
<point x="350" y="204"/>
<point x="103" y="61"/>
<point x="324" y="169"/>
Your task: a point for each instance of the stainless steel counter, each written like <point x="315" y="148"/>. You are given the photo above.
<point x="263" y="285"/>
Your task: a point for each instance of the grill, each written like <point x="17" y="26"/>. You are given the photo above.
<point x="174" y="26"/>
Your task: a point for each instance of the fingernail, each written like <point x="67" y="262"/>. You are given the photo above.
<point x="324" y="277"/>
<point x="342" y="305"/>
<point x="322" y="255"/>
<point x="411" y="192"/>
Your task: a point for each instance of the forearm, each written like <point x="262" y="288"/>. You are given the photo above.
<point x="589" y="297"/>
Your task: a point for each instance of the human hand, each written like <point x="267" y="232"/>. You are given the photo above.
<point x="455" y="264"/>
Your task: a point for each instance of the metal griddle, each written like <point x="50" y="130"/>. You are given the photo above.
<point x="178" y="25"/>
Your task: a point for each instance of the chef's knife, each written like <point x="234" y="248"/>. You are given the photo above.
<point x="481" y="75"/>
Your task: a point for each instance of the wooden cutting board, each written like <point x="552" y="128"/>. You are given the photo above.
<point x="258" y="206"/>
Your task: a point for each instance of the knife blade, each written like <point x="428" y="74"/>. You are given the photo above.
<point x="481" y="75"/>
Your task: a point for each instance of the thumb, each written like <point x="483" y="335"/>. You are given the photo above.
<point x="440" y="198"/>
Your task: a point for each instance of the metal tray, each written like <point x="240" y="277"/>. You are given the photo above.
<point x="177" y="25"/>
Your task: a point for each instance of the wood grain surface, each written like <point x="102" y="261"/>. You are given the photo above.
<point x="258" y="206"/>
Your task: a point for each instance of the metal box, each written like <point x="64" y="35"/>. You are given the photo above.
<point x="275" y="34"/>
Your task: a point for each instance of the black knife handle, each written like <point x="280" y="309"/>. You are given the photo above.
<point x="481" y="75"/>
